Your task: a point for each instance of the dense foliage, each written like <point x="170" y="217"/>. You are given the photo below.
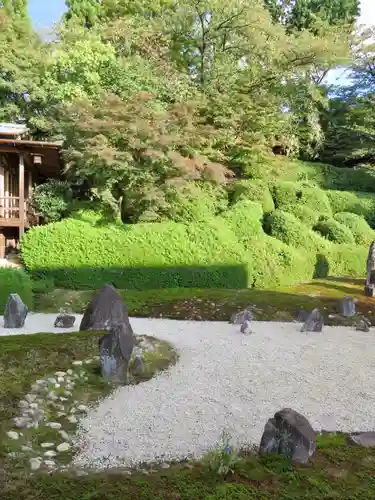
<point x="15" y="281"/>
<point x="184" y="130"/>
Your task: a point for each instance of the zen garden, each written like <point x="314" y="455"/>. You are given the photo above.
<point x="187" y="250"/>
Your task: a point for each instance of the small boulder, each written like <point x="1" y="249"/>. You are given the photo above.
<point x="245" y="327"/>
<point x="363" y="324"/>
<point x="240" y="317"/>
<point x="138" y="366"/>
<point x="64" y="321"/>
<point x="314" y="322"/>
<point x="301" y="315"/>
<point x="116" y="348"/>
<point x="106" y="310"/>
<point x="15" y="312"/>
<point x="290" y="435"/>
<point x="347" y="306"/>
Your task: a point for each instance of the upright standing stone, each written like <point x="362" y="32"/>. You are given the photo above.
<point x="106" y="310"/>
<point x="15" y="312"/>
<point x="240" y="317"/>
<point x="370" y="272"/>
<point x="116" y="348"/>
<point x="290" y="435"/>
<point x="347" y="305"/>
<point x="314" y="322"/>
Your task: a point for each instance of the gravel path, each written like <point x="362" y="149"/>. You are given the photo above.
<point x="227" y="381"/>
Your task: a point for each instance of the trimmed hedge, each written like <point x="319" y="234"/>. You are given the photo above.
<point x="288" y="229"/>
<point x="357" y="203"/>
<point x="334" y="231"/>
<point x="77" y="255"/>
<point x="15" y="281"/>
<point x="346" y="260"/>
<point x="362" y="232"/>
<point x="245" y="220"/>
<point x="288" y="194"/>
<point x="253" y="190"/>
<point x="305" y="215"/>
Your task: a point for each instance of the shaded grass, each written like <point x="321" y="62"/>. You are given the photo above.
<point x="220" y="304"/>
<point x="27" y="358"/>
<point x="337" y="471"/>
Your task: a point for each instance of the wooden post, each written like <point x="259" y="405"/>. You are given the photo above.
<point x="21" y="195"/>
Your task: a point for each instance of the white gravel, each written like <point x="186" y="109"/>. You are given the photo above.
<point x="227" y="381"/>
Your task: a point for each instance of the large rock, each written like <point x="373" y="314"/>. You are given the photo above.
<point x="290" y="435"/>
<point x="15" y="312"/>
<point x="116" y="348"/>
<point x="370" y="271"/>
<point x="106" y="310"/>
<point x="347" y="306"/>
<point x="364" y="439"/>
<point x="314" y="322"/>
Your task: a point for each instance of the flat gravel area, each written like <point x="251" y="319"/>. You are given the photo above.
<point x="227" y="381"/>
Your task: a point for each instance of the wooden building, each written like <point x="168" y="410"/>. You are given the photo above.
<point x="24" y="163"/>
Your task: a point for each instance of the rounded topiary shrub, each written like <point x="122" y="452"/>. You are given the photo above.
<point x="253" y="190"/>
<point x="334" y="231"/>
<point x="273" y="263"/>
<point x="306" y="215"/>
<point x="346" y="260"/>
<point x="357" y="203"/>
<point x="362" y="232"/>
<point x="288" y="194"/>
<point x="245" y="220"/>
<point x="15" y="281"/>
<point x="315" y="199"/>
<point x="284" y="194"/>
<point x="287" y="228"/>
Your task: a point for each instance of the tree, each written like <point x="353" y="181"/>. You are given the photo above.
<point x="17" y="8"/>
<point x="86" y="12"/>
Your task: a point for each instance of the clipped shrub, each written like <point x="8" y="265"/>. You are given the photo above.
<point x="194" y="202"/>
<point x="362" y="232"/>
<point x="346" y="260"/>
<point x="284" y="194"/>
<point x="357" y="203"/>
<point x="288" y="229"/>
<point x="287" y="194"/>
<point x="273" y="263"/>
<point x="77" y="255"/>
<point x="253" y="190"/>
<point x="305" y="215"/>
<point x="245" y="220"/>
<point x="15" y="281"/>
<point x="334" y="231"/>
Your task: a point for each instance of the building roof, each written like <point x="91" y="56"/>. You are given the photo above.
<point x="13" y="130"/>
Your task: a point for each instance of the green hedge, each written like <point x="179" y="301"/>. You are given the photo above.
<point x="334" y="231"/>
<point x="288" y="229"/>
<point x="357" y="203"/>
<point x="362" y="232"/>
<point x="346" y="260"/>
<point x="77" y="255"/>
<point x="288" y="194"/>
<point x="245" y="220"/>
<point x="15" y="281"/>
<point x="305" y="215"/>
<point x="253" y="190"/>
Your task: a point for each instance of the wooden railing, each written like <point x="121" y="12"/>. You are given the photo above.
<point x="10" y="210"/>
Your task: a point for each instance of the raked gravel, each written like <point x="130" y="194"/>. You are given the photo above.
<point x="227" y="381"/>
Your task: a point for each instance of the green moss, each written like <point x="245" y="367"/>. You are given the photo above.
<point x="334" y="231"/>
<point x="15" y="281"/>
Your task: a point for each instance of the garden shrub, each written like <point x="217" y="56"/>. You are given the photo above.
<point x="288" y="194"/>
<point x="51" y="199"/>
<point x="287" y="228"/>
<point x="334" y="231"/>
<point x="77" y="255"/>
<point x="273" y="263"/>
<point x="346" y="260"/>
<point x="253" y="190"/>
<point x="362" y="232"/>
<point x="15" y="281"/>
<point x="194" y="201"/>
<point x="357" y="203"/>
<point x="245" y="220"/>
<point x="305" y="215"/>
